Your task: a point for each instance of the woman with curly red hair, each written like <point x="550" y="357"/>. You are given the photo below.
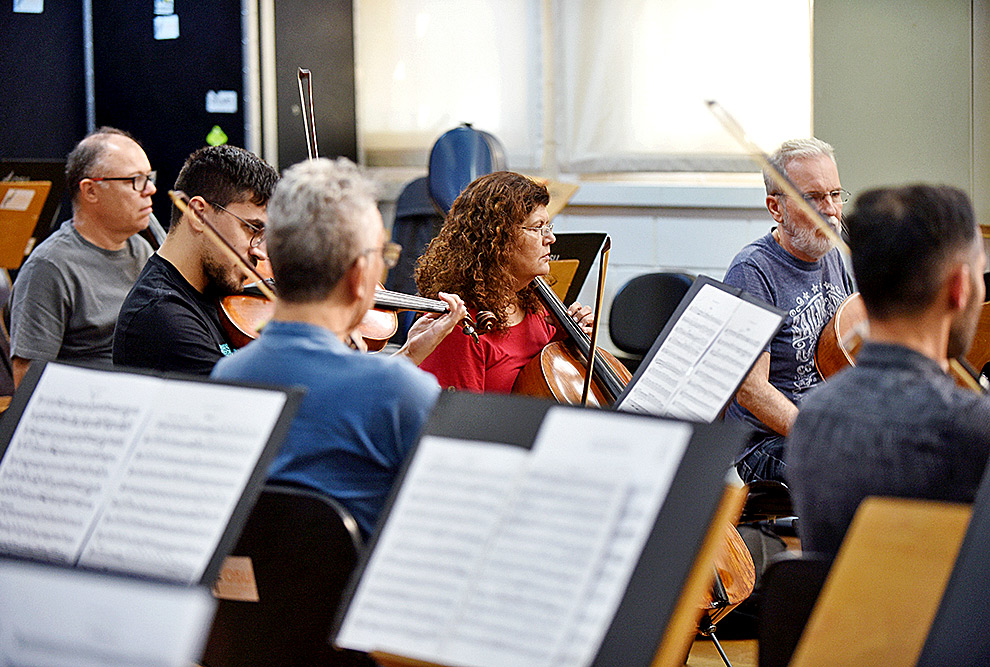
<point x="494" y="242"/>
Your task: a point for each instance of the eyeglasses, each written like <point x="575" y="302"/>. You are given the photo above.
<point x="818" y="199"/>
<point x="139" y="182"/>
<point x="542" y="230"/>
<point x="390" y="253"/>
<point x="257" y="231"/>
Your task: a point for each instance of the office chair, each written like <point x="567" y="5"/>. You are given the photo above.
<point x="303" y="547"/>
<point x="641" y="308"/>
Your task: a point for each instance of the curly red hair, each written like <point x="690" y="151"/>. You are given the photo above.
<point x="471" y="254"/>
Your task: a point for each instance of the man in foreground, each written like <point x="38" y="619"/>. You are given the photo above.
<point x="897" y="424"/>
<point x="362" y="412"/>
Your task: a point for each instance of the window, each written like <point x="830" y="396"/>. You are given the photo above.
<point x="623" y="88"/>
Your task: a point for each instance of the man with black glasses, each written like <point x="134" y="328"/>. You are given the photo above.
<point x="795" y="268"/>
<point x="67" y="294"/>
<point x="170" y="321"/>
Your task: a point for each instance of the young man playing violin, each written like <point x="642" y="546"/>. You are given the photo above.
<point x="362" y="412"/>
<point x="896" y="424"/>
<point x="170" y="321"/>
<point x="795" y="268"/>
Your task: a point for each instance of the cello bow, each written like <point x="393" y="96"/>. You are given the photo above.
<point x="593" y="343"/>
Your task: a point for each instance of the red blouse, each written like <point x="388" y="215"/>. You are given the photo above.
<point x="492" y="364"/>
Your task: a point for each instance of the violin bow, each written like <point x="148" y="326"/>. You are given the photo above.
<point x="735" y="129"/>
<point x="181" y="201"/>
<point x="308" y="112"/>
<point x="603" y="265"/>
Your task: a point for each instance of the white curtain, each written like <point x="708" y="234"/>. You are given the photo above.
<point x="628" y="79"/>
<point x="633" y="76"/>
<point x="425" y="66"/>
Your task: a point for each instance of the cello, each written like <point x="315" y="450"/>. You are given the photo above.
<point x="559" y="371"/>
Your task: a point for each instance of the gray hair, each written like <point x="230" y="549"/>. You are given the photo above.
<point x="314" y="226"/>
<point x="794" y="149"/>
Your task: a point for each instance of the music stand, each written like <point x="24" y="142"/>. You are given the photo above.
<point x="21" y="203"/>
<point x="40" y="170"/>
<point x="571" y="258"/>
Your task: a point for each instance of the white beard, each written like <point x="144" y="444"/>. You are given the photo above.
<point x="810" y="240"/>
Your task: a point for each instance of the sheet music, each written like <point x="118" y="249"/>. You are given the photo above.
<point x="562" y="532"/>
<point x="60" y="617"/>
<point x="444" y="514"/>
<point x="704" y="357"/>
<point x="130" y="472"/>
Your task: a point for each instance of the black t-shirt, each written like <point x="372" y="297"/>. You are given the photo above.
<point x="166" y="325"/>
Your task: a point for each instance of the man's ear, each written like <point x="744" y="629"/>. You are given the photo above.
<point x="960" y="286"/>
<point x="354" y="279"/>
<point x="776" y="207"/>
<point x="198" y="205"/>
<point x="89" y="191"/>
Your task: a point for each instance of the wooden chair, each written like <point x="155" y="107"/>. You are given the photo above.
<point x="302" y="547"/>
<point x="883" y="590"/>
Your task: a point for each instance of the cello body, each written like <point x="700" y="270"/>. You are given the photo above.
<point x="559" y="370"/>
<point x="558" y="373"/>
<point x="839" y="341"/>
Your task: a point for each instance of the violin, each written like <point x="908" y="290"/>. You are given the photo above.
<point x="244" y="314"/>
<point x="558" y="372"/>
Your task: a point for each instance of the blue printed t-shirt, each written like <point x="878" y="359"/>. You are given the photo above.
<point x="810" y="293"/>
<point x="359" y="418"/>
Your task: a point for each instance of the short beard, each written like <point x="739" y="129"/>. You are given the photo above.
<point x="809" y="240"/>
<point x="963" y="329"/>
<point x="219" y="282"/>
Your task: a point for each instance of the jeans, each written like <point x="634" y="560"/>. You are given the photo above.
<point x="764" y="461"/>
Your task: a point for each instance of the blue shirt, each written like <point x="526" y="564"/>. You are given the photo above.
<point x="810" y="293"/>
<point x="359" y="418"/>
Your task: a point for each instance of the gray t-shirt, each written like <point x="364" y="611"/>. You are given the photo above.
<point x="810" y="293"/>
<point x="67" y="295"/>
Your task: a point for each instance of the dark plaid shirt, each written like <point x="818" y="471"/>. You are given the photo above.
<point x="895" y="425"/>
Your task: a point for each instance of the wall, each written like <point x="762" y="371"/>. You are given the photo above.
<point x="896" y="89"/>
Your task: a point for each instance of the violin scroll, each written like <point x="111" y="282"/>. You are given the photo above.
<point x="484" y="322"/>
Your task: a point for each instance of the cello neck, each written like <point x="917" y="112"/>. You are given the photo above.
<point x="603" y="373"/>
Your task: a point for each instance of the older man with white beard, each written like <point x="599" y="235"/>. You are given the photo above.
<point x="795" y="268"/>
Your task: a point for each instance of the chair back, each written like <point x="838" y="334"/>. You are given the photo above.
<point x="641" y="308"/>
<point x="790" y="587"/>
<point x="303" y="547"/>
